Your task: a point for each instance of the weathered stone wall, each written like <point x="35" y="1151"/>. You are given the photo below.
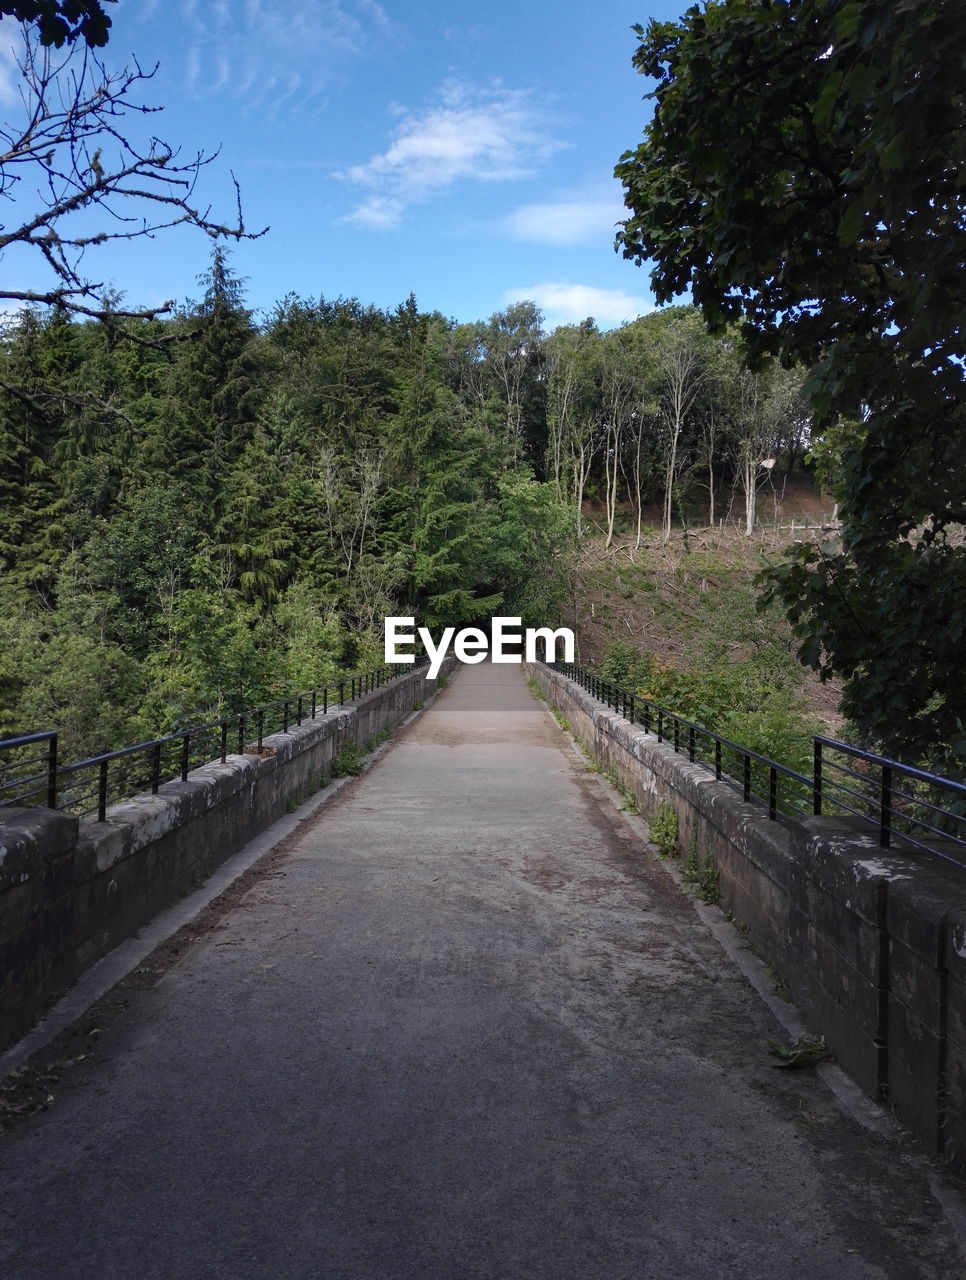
<point x="870" y="942"/>
<point x="70" y="890"/>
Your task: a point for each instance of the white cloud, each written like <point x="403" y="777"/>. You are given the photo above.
<point x="565" y="222"/>
<point x="11" y="46"/>
<point x="240" y="47"/>
<point x="379" y="213"/>
<point x="571" y="303"/>
<point x="480" y="135"/>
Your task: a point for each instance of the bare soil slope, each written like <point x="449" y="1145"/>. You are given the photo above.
<point x="668" y="598"/>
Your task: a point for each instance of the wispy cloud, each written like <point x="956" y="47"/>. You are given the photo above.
<point x="571" y="303"/>
<point x="494" y="134"/>
<point x="11" y="46"/>
<point x="238" y="47"/>
<point x="565" y="222"/>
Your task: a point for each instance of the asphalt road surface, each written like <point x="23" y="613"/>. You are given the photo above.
<point x="462" y="1026"/>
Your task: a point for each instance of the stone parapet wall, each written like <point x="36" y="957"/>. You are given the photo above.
<point x="71" y="890"/>
<point x="870" y="942"/>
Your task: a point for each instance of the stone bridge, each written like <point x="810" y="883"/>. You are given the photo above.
<point x="454" y="1019"/>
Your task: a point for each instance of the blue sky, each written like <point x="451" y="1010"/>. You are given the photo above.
<point x="457" y="151"/>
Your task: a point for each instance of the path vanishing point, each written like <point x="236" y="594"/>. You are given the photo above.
<point x="462" y="1025"/>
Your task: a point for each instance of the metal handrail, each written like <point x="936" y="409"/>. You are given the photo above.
<point x="60" y="785"/>
<point x="884" y="805"/>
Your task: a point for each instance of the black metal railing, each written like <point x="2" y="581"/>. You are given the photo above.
<point x="904" y="806"/>
<point x="31" y="774"/>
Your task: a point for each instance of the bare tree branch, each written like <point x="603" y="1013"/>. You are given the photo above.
<point x="73" y="150"/>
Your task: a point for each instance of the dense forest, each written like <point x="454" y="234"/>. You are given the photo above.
<point x="215" y="511"/>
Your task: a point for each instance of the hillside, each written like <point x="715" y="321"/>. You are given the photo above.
<point x="692" y="601"/>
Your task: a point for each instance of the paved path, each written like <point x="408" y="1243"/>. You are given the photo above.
<point x="463" y="1026"/>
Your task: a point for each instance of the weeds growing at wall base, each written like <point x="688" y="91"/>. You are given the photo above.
<point x="347" y="764"/>
<point x="663" y="829"/>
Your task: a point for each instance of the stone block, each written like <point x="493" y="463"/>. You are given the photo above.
<point x="917" y="984"/>
<point x="30" y="839"/>
<point x="920" y="907"/>
<point x="955" y="945"/>
<point x="847" y="931"/>
<point x="836" y="985"/>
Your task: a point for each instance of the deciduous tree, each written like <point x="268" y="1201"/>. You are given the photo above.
<point x="78" y="140"/>
<point x="802" y="175"/>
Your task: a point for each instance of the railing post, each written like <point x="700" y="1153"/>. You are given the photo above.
<point x="885" y="808"/>
<point x="299" y="721"/>
<point x="285" y="716"/>
<point x="325" y="700"/>
<point x="52" y="772"/>
<point x="677" y="736"/>
<point x="817" y="779"/>
<point x="717" y="759"/>
<point x="261" y="730"/>
<point x="185" y="750"/>
<point x="155" y="768"/>
<point x="102" y="792"/>
<point x="633" y="710"/>
<point x="647" y="717"/>
<point x="772" y="792"/>
<point x="691" y="743"/>
<point x="241" y="734"/>
<point x="747" y="776"/>
<point x="660" y="725"/>
<point x="314" y="708"/>
<point x="224" y="740"/>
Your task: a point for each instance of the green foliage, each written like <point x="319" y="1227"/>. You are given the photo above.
<point x="824" y="211"/>
<point x="347" y="764"/>
<point x="663" y="829"/>
<point x="751" y="702"/>
<point x="89" y="688"/>
<point x="62" y="21"/>
<point x="701" y="875"/>
<point x="807" y="1051"/>
<point x="561" y="719"/>
<point x="528" y="548"/>
<point x="231" y="518"/>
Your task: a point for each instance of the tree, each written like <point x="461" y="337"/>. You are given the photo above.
<point x="684" y="367"/>
<point x="765" y="410"/>
<point x="60" y="22"/>
<point x="802" y="175"/>
<point x="75" y="141"/>
<point x="513" y="340"/>
<point x="573" y="408"/>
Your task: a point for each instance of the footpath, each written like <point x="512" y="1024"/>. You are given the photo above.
<point x="462" y="1025"/>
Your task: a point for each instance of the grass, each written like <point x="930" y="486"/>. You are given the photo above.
<point x="347" y="764"/>
<point x="701" y="875"/>
<point x="560" y="719"/>
<point x="663" y="829"/>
